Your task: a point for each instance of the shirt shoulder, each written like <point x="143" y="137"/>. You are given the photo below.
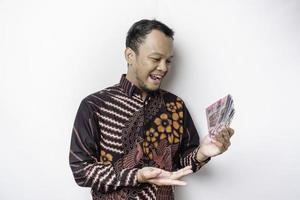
<point x="169" y="96"/>
<point x="101" y="97"/>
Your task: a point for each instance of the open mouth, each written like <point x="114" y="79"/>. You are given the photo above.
<point x="156" y="77"/>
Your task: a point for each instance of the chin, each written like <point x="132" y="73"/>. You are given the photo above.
<point x="148" y="87"/>
<point x="151" y="89"/>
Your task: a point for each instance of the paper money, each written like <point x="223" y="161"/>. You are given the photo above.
<point x="219" y="114"/>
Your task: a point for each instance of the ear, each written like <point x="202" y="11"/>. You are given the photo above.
<point x="129" y="55"/>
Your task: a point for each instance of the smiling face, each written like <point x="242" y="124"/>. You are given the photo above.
<point x="147" y="68"/>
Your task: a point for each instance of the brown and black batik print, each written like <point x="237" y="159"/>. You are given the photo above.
<point x="115" y="133"/>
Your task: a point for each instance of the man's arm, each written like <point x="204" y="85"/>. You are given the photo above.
<point x="190" y="144"/>
<point x="88" y="171"/>
<point x="84" y="156"/>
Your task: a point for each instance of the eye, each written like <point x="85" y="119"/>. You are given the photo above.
<point x="169" y="61"/>
<point x="156" y="59"/>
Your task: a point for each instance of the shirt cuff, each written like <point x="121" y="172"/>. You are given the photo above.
<point x="196" y="163"/>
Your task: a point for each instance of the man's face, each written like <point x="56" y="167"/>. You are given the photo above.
<point x="152" y="62"/>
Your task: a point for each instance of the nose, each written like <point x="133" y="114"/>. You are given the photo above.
<point x="162" y="66"/>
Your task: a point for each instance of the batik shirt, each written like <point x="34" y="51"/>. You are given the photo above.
<point x="116" y="132"/>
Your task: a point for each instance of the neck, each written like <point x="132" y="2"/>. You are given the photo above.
<point x="134" y="81"/>
<point x="144" y="94"/>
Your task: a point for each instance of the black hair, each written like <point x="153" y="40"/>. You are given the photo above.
<point x="138" y="31"/>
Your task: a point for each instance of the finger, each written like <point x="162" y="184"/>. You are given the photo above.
<point x="226" y="135"/>
<point x="225" y="131"/>
<point x="166" y="181"/>
<point x="220" y="138"/>
<point x="231" y="131"/>
<point x="164" y="174"/>
<point x="223" y="136"/>
<point x="228" y="145"/>
<point x="179" y="175"/>
<point x="218" y="144"/>
<point x="181" y="172"/>
<point x="184" y="169"/>
<point x="225" y="145"/>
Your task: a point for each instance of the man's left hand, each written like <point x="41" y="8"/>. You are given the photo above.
<point x="213" y="146"/>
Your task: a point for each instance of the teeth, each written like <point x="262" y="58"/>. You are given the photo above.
<point x="156" y="76"/>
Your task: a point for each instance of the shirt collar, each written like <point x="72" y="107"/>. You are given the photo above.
<point x="130" y="88"/>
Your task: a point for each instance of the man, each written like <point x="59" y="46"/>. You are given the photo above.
<point x="134" y="140"/>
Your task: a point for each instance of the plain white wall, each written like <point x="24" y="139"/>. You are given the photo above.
<point x="54" y="53"/>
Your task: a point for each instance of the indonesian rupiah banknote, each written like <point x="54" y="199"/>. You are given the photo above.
<point x="219" y="114"/>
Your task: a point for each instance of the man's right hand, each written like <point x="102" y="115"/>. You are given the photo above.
<point x="159" y="176"/>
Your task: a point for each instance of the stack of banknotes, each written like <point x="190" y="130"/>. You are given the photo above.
<point x="219" y="114"/>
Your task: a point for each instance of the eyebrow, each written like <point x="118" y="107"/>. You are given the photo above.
<point x="161" y="54"/>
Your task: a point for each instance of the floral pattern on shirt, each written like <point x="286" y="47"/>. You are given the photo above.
<point x="105" y="158"/>
<point x="168" y="125"/>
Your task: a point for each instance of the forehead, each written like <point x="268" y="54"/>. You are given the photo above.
<point x="156" y="42"/>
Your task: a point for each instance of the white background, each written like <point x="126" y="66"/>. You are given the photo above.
<point x="54" y="53"/>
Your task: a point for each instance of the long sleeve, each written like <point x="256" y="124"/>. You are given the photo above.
<point x="84" y="156"/>
<point x="190" y="143"/>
